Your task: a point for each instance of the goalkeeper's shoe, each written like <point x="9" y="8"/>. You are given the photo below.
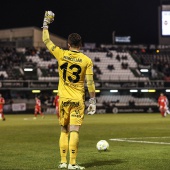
<point x="62" y="166"/>
<point x="77" y="167"/>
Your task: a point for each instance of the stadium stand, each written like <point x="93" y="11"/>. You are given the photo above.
<point x="111" y="68"/>
<point x="122" y="66"/>
<point x="158" y="63"/>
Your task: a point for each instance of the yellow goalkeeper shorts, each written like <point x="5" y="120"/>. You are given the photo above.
<point x="71" y="112"/>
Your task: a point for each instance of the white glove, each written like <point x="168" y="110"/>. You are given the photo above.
<point x="92" y="107"/>
<point x="48" y="18"/>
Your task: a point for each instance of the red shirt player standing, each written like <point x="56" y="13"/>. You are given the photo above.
<point x="56" y="104"/>
<point x="2" y="102"/>
<point x="38" y="108"/>
<point x="162" y="103"/>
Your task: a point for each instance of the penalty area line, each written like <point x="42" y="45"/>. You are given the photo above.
<point x="135" y="141"/>
<point x="39" y="119"/>
<point x="27" y="118"/>
<point x="147" y="137"/>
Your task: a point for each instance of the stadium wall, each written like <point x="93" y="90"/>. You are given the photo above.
<point x="28" y="37"/>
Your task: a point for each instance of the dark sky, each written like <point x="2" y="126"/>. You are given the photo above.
<point x="94" y="20"/>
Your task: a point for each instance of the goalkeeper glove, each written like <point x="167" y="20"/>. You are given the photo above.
<point x="92" y="107"/>
<point x="48" y="18"/>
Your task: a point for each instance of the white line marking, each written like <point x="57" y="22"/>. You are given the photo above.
<point x="135" y="141"/>
<point x="39" y="119"/>
<point x="147" y="137"/>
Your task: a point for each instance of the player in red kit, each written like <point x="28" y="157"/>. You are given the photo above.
<point x="2" y="102"/>
<point x="38" y="108"/>
<point x="56" y="104"/>
<point x="163" y="104"/>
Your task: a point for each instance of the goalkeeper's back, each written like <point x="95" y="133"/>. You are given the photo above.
<point x="72" y="66"/>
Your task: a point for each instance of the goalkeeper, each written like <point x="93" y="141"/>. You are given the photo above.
<point x="74" y="68"/>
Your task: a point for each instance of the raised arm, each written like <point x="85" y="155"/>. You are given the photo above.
<point x="48" y="19"/>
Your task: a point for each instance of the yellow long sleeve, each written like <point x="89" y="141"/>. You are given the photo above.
<point x="46" y="38"/>
<point x="90" y="83"/>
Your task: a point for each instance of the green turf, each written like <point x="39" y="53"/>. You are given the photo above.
<point x="33" y="144"/>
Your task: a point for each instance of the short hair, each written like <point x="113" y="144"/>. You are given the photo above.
<point x="75" y="40"/>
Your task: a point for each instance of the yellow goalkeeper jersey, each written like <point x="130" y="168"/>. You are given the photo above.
<point x="72" y="67"/>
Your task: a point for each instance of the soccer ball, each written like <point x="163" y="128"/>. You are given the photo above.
<point x="102" y="145"/>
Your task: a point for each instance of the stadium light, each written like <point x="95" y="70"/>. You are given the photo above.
<point x="167" y="90"/>
<point x="157" y="51"/>
<point x="55" y="91"/>
<point x="144" y="90"/>
<point x="151" y="90"/>
<point x="113" y="91"/>
<point x="36" y="91"/>
<point x="28" y="69"/>
<point x="133" y="91"/>
<point x="144" y="70"/>
<point x="97" y="91"/>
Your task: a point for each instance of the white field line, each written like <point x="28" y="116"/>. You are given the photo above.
<point x="38" y="119"/>
<point x="147" y="137"/>
<point x="138" y="141"/>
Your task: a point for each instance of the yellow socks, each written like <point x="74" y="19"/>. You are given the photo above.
<point x="73" y="146"/>
<point x="63" y="144"/>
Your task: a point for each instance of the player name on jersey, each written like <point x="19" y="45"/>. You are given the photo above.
<point x="73" y="59"/>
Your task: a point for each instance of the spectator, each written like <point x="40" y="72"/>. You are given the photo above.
<point x="110" y="67"/>
<point x="131" y="103"/>
<point x="1" y="77"/>
<point x="118" y="57"/>
<point x="109" y="54"/>
<point x="97" y="59"/>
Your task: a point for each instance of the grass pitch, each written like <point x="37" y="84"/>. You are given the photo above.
<point x="137" y="142"/>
